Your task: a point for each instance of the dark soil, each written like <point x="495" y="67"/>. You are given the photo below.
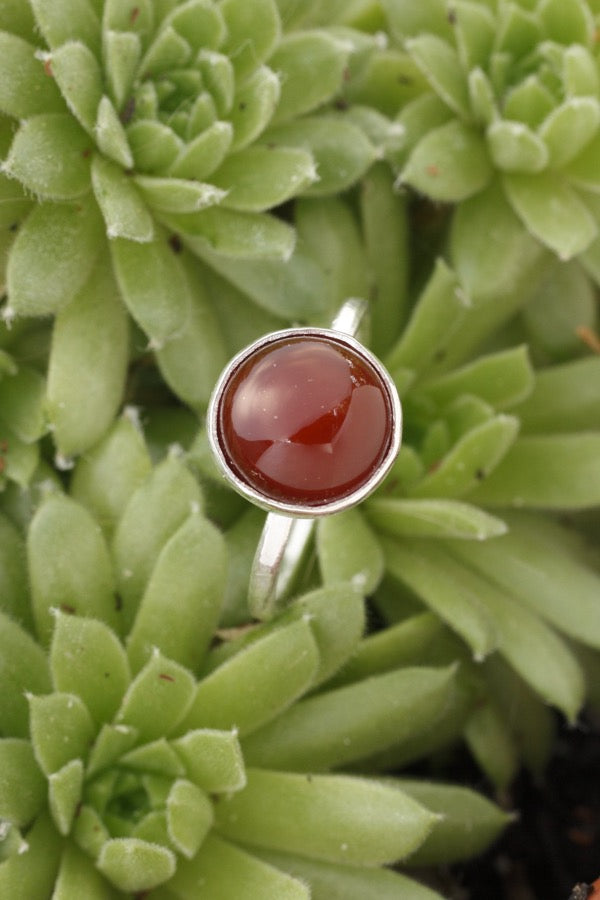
<point x="553" y="851"/>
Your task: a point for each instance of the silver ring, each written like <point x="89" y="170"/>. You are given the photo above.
<point x="346" y="417"/>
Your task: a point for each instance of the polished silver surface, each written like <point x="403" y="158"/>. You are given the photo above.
<point x="289" y="526"/>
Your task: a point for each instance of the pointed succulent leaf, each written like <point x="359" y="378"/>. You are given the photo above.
<point x="25" y="88"/>
<point x="87" y="659"/>
<point x="567" y="23"/>
<point x="78" y="75"/>
<point x="489" y="269"/>
<point x="551" y="472"/>
<point x="89" y="831"/>
<point x="21" y="402"/>
<point x="218" y="76"/>
<point x="341" y="151"/>
<point x="529" y="102"/>
<point x="438" y="312"/>
<point x="564" y="398"/>
<point x="533" y="649"/>
<point x="339" y="882"/>
<point x="88" y="363"/>
<point x="158" y="698"/>
<point x="337" y="618"/>
<point x="492" y="744"/>
<point x="277" y="669"/>
<point x="23" y="667"/>
<point x="581" y="77"/>
<point x="20" y="459"/>
<point x="339" y="727"/>
<point x="153" y="514"/>
<point x="22" y="784"/>
<point x="253" y="106"/>
<point x="293" y="286"/>
<point x="111" y="744"/>
<point x="52" y="257"/>
<point x="192" y="361"/>
<point x="14" y="205"/>
<point x="311" y="67"/>
<point x="168" y="50"/>
<point x="67" y="20"/>
<point x="154" y="145"/>
<point x="348" y="551"/>
<point x="420" y="566"/>
<point x="62" y="530"/>
<point x="124" y="211"/>
<point x="501" y="379"/>
<point x="157" y="757"/>
<point x="404" y="644"/>
<point x="408" y="19"/>
<point x="14" y="586"/>
<point x="200" y="22"/>
<point x="450" y="163"/>
<point x="49" y="156"/>
<point x="178" y="195"/>
<point x="475" y="28"/>
<point x="555" y="327"/>
<point x="135" y="865"/>
<point x="153" y="285"/>
<point x="518" y="32"/>
<point x="552" y="211"/>
<point x="514" y="147"/>
<point x="537" y="563"/>
<point x="108" y="474"/>
<point x="64" y="794"/>
<point x="468" y="825"/>
<point x="33" y="872"/>
<point x="328" y="229"/>
<point x="189" y="817"/>
<point x="440" y="65"/>
<point x="78" y="876"/>
<point x="17" y="18"/>
<point x="180" y="607"/>
<point x="236" y="235"/>
<point x="153" y="828"/>
<point x="471" y="459"/>
<point x="122" y="51"/>
<point x="385" y="225"/>
<point x="225" y="870"/>
<point x="110" y="135"/>
<point x="569" y="128"/>
<point x="262" y="176"/>
<point x="129" y="15"/>
<point x="433" y="518"/>
<point x="61" y="729"/>
<point x="212" y="759"/>
<point x="336" y="818"/>
<point x="253" y="31"/>
<point x="205" y="153"/>
<point x="582" y="171"/>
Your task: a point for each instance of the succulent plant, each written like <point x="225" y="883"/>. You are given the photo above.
<point x="138" y="137"/>
<point x="155" y="740"/>
<point x="137" y="759"/>
<point x="506" y="95"/>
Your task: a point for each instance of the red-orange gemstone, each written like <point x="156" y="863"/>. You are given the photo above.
<point x="305" y="420"/>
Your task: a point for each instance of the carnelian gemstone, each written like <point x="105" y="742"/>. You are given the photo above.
<point x="305" y="420"/>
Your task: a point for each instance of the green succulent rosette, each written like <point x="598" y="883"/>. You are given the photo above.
<point x="136" y="745"/>
<point x="462" y="548"/>
<point x="143" y="143"/>
<point x="504" y="95"/>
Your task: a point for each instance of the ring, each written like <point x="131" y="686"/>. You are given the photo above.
<point x="304" y="422"/>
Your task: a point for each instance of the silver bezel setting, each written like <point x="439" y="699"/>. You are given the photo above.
<point x="302" y="510"/>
